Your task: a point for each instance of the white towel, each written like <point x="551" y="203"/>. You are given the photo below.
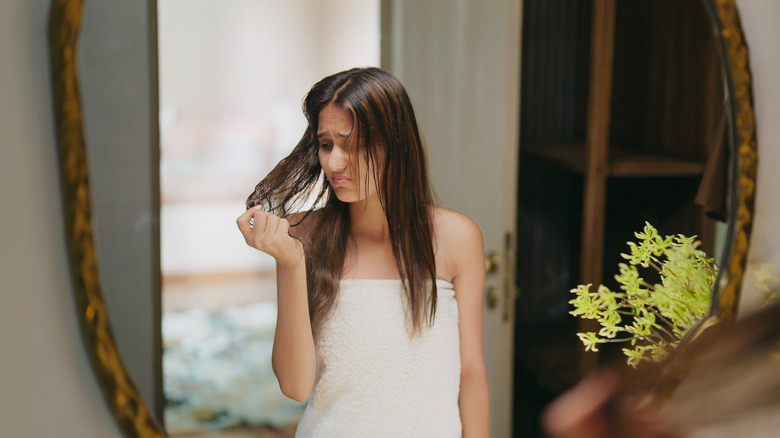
<point x="374" y="379"/>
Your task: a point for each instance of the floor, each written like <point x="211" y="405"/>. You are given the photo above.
<point x="214" y="291"/>
<point x="217" y="335"/>
<point x="257" y="432"/>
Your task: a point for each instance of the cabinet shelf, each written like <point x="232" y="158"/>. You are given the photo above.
<point x="622" y="162"/>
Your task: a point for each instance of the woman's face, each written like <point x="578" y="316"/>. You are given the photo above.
<point x="346" y="174"/>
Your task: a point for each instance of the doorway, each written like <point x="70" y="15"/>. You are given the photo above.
<point x="233" y="75"/>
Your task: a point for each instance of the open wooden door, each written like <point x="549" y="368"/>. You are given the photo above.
<point x="460" y="62"/>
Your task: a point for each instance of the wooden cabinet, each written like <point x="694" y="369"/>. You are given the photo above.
<point x="619" y="105"/>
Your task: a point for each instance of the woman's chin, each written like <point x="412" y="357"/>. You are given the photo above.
<point x="346" y="197"/>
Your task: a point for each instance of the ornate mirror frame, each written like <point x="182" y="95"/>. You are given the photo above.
<point x="740" y="200"/>
<point x="120" y="393"/>
<point x="742" y="166"/>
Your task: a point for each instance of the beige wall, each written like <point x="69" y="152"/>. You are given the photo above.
<point x="46" y="385"/>
<point x="759" y="20"/>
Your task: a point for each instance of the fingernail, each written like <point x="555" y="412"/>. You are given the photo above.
<point x="258" y="207"/>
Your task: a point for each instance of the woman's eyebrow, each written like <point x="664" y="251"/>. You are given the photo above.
<point x="323" y="134"/>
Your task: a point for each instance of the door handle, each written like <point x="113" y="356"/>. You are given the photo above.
<point x="492" y="263"/>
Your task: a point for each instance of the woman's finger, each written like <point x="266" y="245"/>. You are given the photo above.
<point x="243" y="221"/>
<point x="272" y="223"/>
<point x="260" y="220"/>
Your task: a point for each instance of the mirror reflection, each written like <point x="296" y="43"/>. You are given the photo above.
<point x="230" y="100"/>
<point x="622" y="112"/>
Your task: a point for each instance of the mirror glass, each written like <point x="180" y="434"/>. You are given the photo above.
<point x="232" y="76"/>
<point x="665" y="158"/>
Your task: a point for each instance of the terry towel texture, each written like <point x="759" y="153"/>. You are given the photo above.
<point x="374" y="380"/>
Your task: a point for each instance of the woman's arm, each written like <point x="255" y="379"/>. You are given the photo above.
<point x="294" y="361"/>
<point x="469" y="283"/>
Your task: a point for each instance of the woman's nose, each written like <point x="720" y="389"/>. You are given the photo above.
<point x="338" y="159"/>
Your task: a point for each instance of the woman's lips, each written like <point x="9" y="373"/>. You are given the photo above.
<point x="339" y="180"/>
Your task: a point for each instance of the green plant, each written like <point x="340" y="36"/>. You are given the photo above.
<point x="651" y="317"/>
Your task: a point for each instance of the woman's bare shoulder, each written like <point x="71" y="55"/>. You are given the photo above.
<point x="453" y="227"/>
<point x="459" y="247"/>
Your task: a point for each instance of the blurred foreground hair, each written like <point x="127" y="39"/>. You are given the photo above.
<point x="733" y="389"/>
<point x="730" y="388"/>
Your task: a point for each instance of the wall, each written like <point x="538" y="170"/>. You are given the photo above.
<point x="48" y="389"/>
<point x="759" y="22"/>
<point x="231" y="50"/>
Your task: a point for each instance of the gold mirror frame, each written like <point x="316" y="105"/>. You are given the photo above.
<point x="742" y="176"/>
<point x="120" y="393"/>
<point x="742" y="170"/>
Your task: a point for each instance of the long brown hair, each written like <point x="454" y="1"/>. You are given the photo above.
<point x="384" y="121"/>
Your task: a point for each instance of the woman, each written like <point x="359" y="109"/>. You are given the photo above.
<point x="380" y="291"/>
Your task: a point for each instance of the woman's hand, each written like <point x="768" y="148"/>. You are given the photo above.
<point x="293" y="358"/>
<point x="270" y="233"/>
<point x="594" y="408"/>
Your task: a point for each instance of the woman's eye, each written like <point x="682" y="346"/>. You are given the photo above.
<point x="326" y="146"/>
